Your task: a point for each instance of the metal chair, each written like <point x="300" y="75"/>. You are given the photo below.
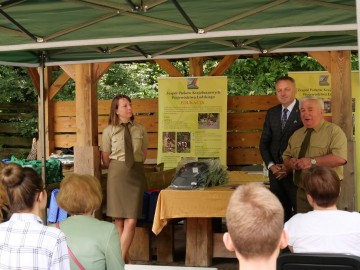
<point x="317" y="261"/>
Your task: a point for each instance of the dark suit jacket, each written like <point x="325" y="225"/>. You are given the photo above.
<point x="273" y="140"/>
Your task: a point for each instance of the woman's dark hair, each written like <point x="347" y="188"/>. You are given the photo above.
<point x="323" y="185"/>
<point x="113" y="117"/>
<point x="22" y="185"/>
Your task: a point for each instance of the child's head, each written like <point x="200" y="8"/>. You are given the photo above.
<point x="323" y="185"/>
<point x="255" y="222"/>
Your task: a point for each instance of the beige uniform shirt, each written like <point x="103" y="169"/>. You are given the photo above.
<point x="113" y="141"/>
<point x="327" y="138"/>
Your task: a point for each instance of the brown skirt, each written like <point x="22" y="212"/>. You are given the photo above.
<point x="125" y="190"/>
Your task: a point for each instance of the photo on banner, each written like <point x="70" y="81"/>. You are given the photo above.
<point x="192" y="119"/>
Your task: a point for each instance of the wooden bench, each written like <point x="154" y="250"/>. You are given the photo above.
<point x="141" y="247"/>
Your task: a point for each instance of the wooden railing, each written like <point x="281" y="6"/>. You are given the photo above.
<point x="245" y="119"/>
<point x="246" y="116"/>
<point x="12" y="142"/>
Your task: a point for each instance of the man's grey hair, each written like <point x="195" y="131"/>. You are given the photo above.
<point x="320" y="101"/>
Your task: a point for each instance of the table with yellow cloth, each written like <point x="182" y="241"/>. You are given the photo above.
<point x="198" y="207"/>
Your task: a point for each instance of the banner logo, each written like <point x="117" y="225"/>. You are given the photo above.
<point x="192" y="83"/>
<point x="323" y="80"/>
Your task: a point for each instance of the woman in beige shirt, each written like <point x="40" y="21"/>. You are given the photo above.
<point x="125" y="183"/>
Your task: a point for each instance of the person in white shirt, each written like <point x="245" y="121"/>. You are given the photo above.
<point x="255" y="222"/>
<point x="325" y="229"/>
<point x="25" y="243"/>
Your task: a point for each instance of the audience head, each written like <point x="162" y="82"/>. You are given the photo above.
<point x="23" y="186"/>
<point x="4" y="200"/>
<point x="79" y="194"/>
<point x="311" y="111"/>
<point x="323" y="185"/>
<point x="113" y="116"/>
<point x="254" y="220"/>
<point x="285" y="90"/>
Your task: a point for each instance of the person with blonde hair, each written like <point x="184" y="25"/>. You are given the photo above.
<point x="255" y="219"/>
<point x="25" y="243"/>
<point x="95" y="244"/>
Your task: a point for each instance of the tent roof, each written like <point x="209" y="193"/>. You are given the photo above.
<point x="79" y="31"/>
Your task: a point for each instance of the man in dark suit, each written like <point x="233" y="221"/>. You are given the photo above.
<point x="280" y="123"/>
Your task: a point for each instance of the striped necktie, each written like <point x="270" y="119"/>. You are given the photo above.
<point x="284" y="118"/>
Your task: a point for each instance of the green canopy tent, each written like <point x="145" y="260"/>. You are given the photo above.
<point x="40" y="33"/>
<point x="79" y="31"/>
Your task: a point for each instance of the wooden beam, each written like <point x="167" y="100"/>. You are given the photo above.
<point x="224" y="65"/>
<point x="196" y="66"/>
<point x="341" y="109"/>
<point x="87" y="156"/>
<point x="49" y="116"/>
<point x="86" y="106"/>
<point x="34" y="76"/>
<point x="341" y="91"/>
<point x="323" y="58"/>
<point x="58" y="85"/>
<point x="169" y="68"/>
<point x="70" y="70"/>
<point x="99" y="69"/>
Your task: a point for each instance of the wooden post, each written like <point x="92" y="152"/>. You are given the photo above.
<point x="50" y="90"/>
<point x="338" y="63"/>
<point x="140" y="249"/>
<point x="341" y="91"/>
<point x="35" y="78"/>
<point x="341" y="109"/>
<point x="199" y="242"/>
<point x="165" y="244"/>
<point x="49" y="112"/>
<point x="87" y="157"/>
<point x="196" y="67"/>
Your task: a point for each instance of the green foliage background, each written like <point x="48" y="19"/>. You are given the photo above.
<point x="247" y="76"/>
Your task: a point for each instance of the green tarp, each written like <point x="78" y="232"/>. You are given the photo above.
<point x="65" y="31"/>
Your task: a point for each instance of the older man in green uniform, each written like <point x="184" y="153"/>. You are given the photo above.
<point x="318" y="143"/>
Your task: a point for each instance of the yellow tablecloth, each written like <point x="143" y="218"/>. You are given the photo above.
<point x="207" y="203"/>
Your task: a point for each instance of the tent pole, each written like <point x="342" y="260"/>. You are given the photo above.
<point x="42" y="118"/>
